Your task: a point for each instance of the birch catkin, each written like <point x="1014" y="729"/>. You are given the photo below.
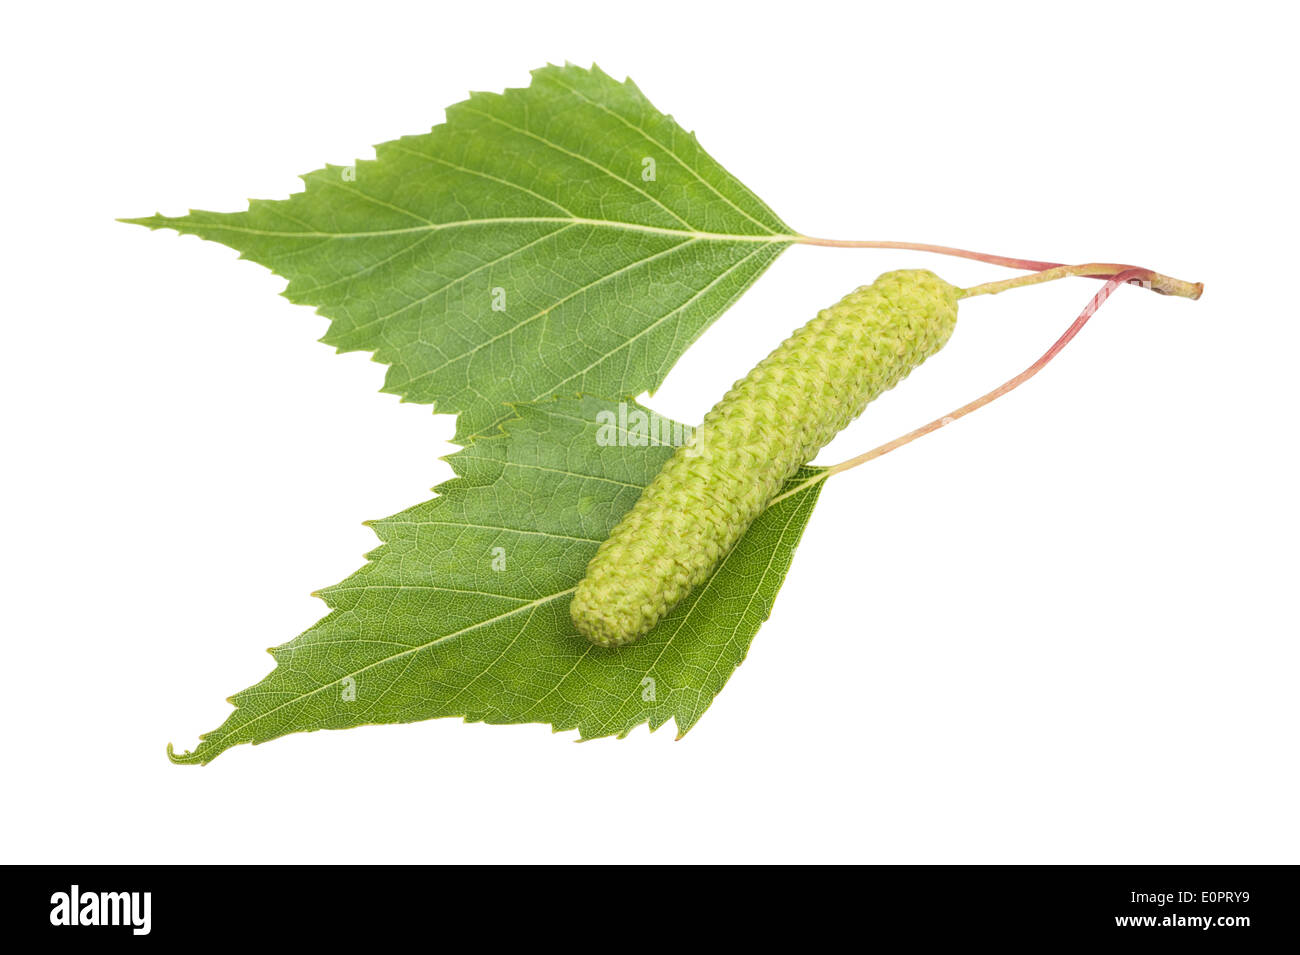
<point x="771" y="422"/>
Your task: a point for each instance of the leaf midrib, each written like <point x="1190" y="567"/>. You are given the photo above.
<point x="773" y="237"/>
<point x="410" y="650"/>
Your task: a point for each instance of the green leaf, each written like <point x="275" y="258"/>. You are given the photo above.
<point x="430" y="627"/>
<point x="537" y="201"/>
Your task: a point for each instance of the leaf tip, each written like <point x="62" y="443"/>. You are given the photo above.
<point x="184" y="759"/>
<point x="149" y="222"/>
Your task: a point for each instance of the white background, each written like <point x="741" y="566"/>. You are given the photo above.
<point x="1062" y="630"/>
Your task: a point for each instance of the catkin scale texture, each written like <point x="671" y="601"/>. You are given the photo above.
<point x="770" y="423"/>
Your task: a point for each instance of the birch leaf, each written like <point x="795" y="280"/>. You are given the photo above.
<point x="563" y="238"/>
<point x="464" y="609"/>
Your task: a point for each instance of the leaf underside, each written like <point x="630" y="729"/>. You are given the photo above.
<point x="463" y="611"/>
<point x="538" y="201"/>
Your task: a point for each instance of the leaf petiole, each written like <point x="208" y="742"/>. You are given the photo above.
<point x="1045" y="271"/>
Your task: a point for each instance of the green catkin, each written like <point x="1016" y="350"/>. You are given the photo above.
<point x="770" y="423"/>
